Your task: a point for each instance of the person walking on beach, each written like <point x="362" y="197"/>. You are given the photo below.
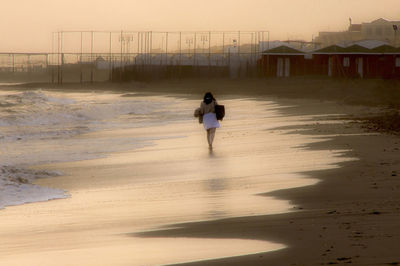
<point x="210" y="122"/>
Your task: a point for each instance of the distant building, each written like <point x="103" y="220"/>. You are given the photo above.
<point x="380" y="29"/>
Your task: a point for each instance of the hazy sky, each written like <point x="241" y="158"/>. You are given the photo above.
<point x="26" y="25"/>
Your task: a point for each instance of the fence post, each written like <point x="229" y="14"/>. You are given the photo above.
<point x="110" y="60"/>
<point x="81" y="65"/>
<point x="62" y="59"/>
<point x="13" y="67"/>
<point x="91" y="59"/>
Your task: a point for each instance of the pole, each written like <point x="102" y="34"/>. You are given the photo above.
<point x="81" y="44"/>
<point x="145" y="47"/>
<point x="268" y="49"/>
<point x="138" y="43"/>
<point x="239" y="42"/>
<point x="47" y="63"/>
<point x="141" y="47"/>
<point x="52" y="55"/>
<point x="128" y="49"/>
<point x="180" y="54"/>
<point x="29" y="63"/>
<point x="251" y="46"/>
<point x="223" y="43"/>
<point x="180" y="48"/>
<point x="81" y="77"/>
<point x="91" y="58"/>
<point x="209" y="49"/>
<point x="62" y="57"/>
<point x="120" y="55"/>
<point x="251" y="43"/>
<point x="110" y="58"/>
<point x="58" y="57"/>
<point x="268" y="53"/>
<point x="194" y="50"/>
<point x="151" y="47"/>
<point x="148" y="48"/>
<point x="151" y="67"/>
<point x="166" y="46"/>
<point x="121" y="38"/>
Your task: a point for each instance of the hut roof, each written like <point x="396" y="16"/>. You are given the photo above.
<point x="370" y="44"/>
<point x="283" y="49"/>
<point x="330" y="50"/>
<point x="353" y="49"/>
<point x="357" y="49"/>
<point x="386" y="49"/>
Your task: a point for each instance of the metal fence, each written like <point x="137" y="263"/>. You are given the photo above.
<point x="90" y="56"/>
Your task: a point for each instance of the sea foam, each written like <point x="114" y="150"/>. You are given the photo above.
<point x="40" y="127"/>
<point x="16" y="186"/>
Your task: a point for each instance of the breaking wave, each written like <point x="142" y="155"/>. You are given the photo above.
<point x="39" y="127"/>
<point x="16" y="186"/>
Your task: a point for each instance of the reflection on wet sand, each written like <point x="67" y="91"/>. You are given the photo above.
<point x="175" y="181"/>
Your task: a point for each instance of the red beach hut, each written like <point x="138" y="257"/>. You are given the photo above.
<point x="283" y="61"/>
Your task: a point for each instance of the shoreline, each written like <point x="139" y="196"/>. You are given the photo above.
<point x="382" y="96"/>
<point x="369" y="92"/>
<point x="350" y="216"/>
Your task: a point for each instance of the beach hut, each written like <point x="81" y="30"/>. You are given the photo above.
<point x="338" y="61"/>
<point x="327" y="61"/>
<point x="357" y="61"/>
<point x="385" y="62"/>
<point x="283" y="61"/>
<point x="354" y="61"/>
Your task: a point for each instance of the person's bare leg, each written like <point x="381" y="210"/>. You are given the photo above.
<point x="212" y="135"/>
<point x="209" y="137"/>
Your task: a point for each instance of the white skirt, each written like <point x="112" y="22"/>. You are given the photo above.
<point x="210" y="121"/>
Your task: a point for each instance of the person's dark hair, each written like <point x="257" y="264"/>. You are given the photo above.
<point x="208" y="98"/>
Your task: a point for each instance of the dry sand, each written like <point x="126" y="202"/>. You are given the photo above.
<point x="350" y="217"/>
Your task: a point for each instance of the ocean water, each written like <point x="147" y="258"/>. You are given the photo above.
<point x="39" y="127"/>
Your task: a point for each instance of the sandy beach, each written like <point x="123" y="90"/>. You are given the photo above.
<point x="350" y="217"/>
<point x="291" y="181"/>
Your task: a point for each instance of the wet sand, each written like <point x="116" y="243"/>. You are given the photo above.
<point x="346" y="211"/>
<point x="350" y="217"/>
